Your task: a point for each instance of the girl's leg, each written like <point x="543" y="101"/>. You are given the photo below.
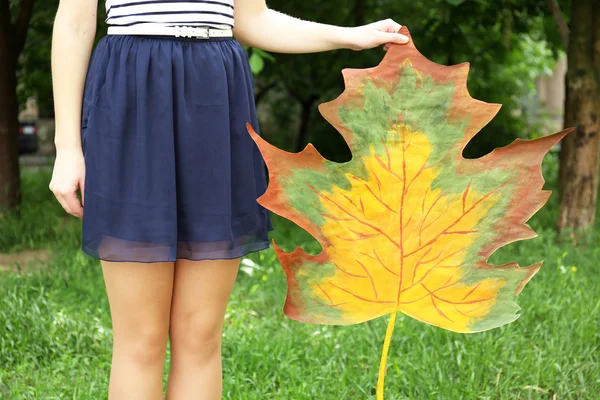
<point x="201" y="290"/>
<point x="140" y="299"/>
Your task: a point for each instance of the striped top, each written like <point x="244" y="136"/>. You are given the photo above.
<point x="213" y="13"/>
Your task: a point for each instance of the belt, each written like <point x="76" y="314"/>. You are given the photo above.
<point x="200" y="32"/>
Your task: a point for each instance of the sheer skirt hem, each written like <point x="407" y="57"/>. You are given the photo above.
<point x="248" y="244"/>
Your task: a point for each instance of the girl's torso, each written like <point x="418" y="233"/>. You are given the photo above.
<point x="213" y="13"/>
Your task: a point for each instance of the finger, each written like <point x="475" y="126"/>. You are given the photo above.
<point x="393" y="26"/>
<point x="74" y="204"/>
<point x="394" y="38"/>
<point x="82" y="191"/>
<point x="63" y="202"/>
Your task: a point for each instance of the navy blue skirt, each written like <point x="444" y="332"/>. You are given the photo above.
<point x="171" y="171"/>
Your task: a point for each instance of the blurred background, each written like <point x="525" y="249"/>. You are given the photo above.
<point x="539" y="58"/>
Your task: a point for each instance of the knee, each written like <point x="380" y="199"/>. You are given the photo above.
<point x="142" y="345"/>
<point x="196" y="334"/>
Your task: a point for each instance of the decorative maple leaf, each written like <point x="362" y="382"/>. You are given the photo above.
<point x="407" y="225"/>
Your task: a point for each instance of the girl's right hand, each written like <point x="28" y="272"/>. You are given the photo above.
<point x="67" y="176"/>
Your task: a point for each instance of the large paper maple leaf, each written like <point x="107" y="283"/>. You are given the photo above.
<point x="408" y="224"/>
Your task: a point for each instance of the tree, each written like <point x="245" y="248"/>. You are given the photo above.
<point x="13" y="32"/>
<point x="578" y="178"/>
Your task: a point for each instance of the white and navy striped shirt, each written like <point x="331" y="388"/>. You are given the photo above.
<point x="213" y="13"/>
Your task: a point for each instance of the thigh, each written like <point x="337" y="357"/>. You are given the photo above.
<point x="139" y="295"/>
<point x="201" y="290"/>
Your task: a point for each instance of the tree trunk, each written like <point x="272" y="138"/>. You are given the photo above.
<point x="305" y="114"/>
<point x="579" y="150"/>
<point x="10" y="190"/>
<point x="563" y="29"/>
<point x="360" y="9"/>
<point x="262" y="91"/>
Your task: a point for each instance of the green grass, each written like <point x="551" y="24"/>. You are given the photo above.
<point x="55" y="331"/>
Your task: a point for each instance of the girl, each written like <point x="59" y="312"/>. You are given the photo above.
<point x="150" y="127"/>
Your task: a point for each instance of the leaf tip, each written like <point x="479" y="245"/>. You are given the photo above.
<point x="531" y="271"/>
<point x="404" y="30"/>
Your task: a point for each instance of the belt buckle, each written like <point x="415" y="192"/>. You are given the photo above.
<point x="192" y="31"/>
<point x="181" y="31"/>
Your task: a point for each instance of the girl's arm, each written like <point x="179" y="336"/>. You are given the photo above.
<point x="73" y="35"/>
<point x="258" y="26"/>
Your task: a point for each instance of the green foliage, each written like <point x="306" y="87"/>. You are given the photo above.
<point x="455" y="2"/>
<point x="506" y="43"/>
<point x="257" y="58"/>
<point x="38" y="221"/>
<point x="511" y="84"/>
<point x="34" y="73"/>
<point x="56" y="340"/>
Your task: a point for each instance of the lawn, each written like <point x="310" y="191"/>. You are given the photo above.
<point x="55" y="331"/>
